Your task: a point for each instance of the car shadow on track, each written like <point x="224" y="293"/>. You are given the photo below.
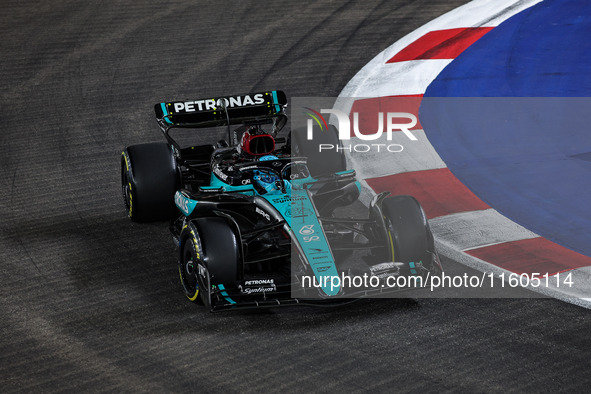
<point x="118" y="275"/>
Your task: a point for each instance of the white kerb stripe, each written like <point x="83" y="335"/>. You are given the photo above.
<point x="473" y="229"/>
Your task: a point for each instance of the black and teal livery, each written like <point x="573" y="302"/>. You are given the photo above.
<point x="250" y="227"/>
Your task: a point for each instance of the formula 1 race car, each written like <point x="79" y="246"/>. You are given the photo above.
<point x="254" y="215"/>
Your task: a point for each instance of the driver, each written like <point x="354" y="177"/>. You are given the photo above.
<point x="267" y="181"/>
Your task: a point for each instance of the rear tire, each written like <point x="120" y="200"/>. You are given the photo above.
<point x="149" y="179"/>
<point x="408" y="231"/>
<point x="319" y="163"/>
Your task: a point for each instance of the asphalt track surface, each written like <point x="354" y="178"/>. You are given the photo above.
<point x="90" y="301"/>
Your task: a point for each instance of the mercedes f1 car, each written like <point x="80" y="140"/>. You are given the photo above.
<point x="254" y="214"/>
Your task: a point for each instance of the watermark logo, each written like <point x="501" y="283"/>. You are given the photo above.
<point x="344" y="124"/>
<point x="388" y="123"/>
<point x="319" y="120"/>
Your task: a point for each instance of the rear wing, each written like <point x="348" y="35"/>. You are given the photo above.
<point x="223" y="111"/>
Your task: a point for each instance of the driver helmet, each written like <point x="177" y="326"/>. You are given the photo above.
<point x="265" y="179"/>
<point x="256" y="142"/>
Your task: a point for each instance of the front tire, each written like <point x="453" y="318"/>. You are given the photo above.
<point x="188" y="270"/>
<point x="211" y="255"/>
<point x="409" y="235"/>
